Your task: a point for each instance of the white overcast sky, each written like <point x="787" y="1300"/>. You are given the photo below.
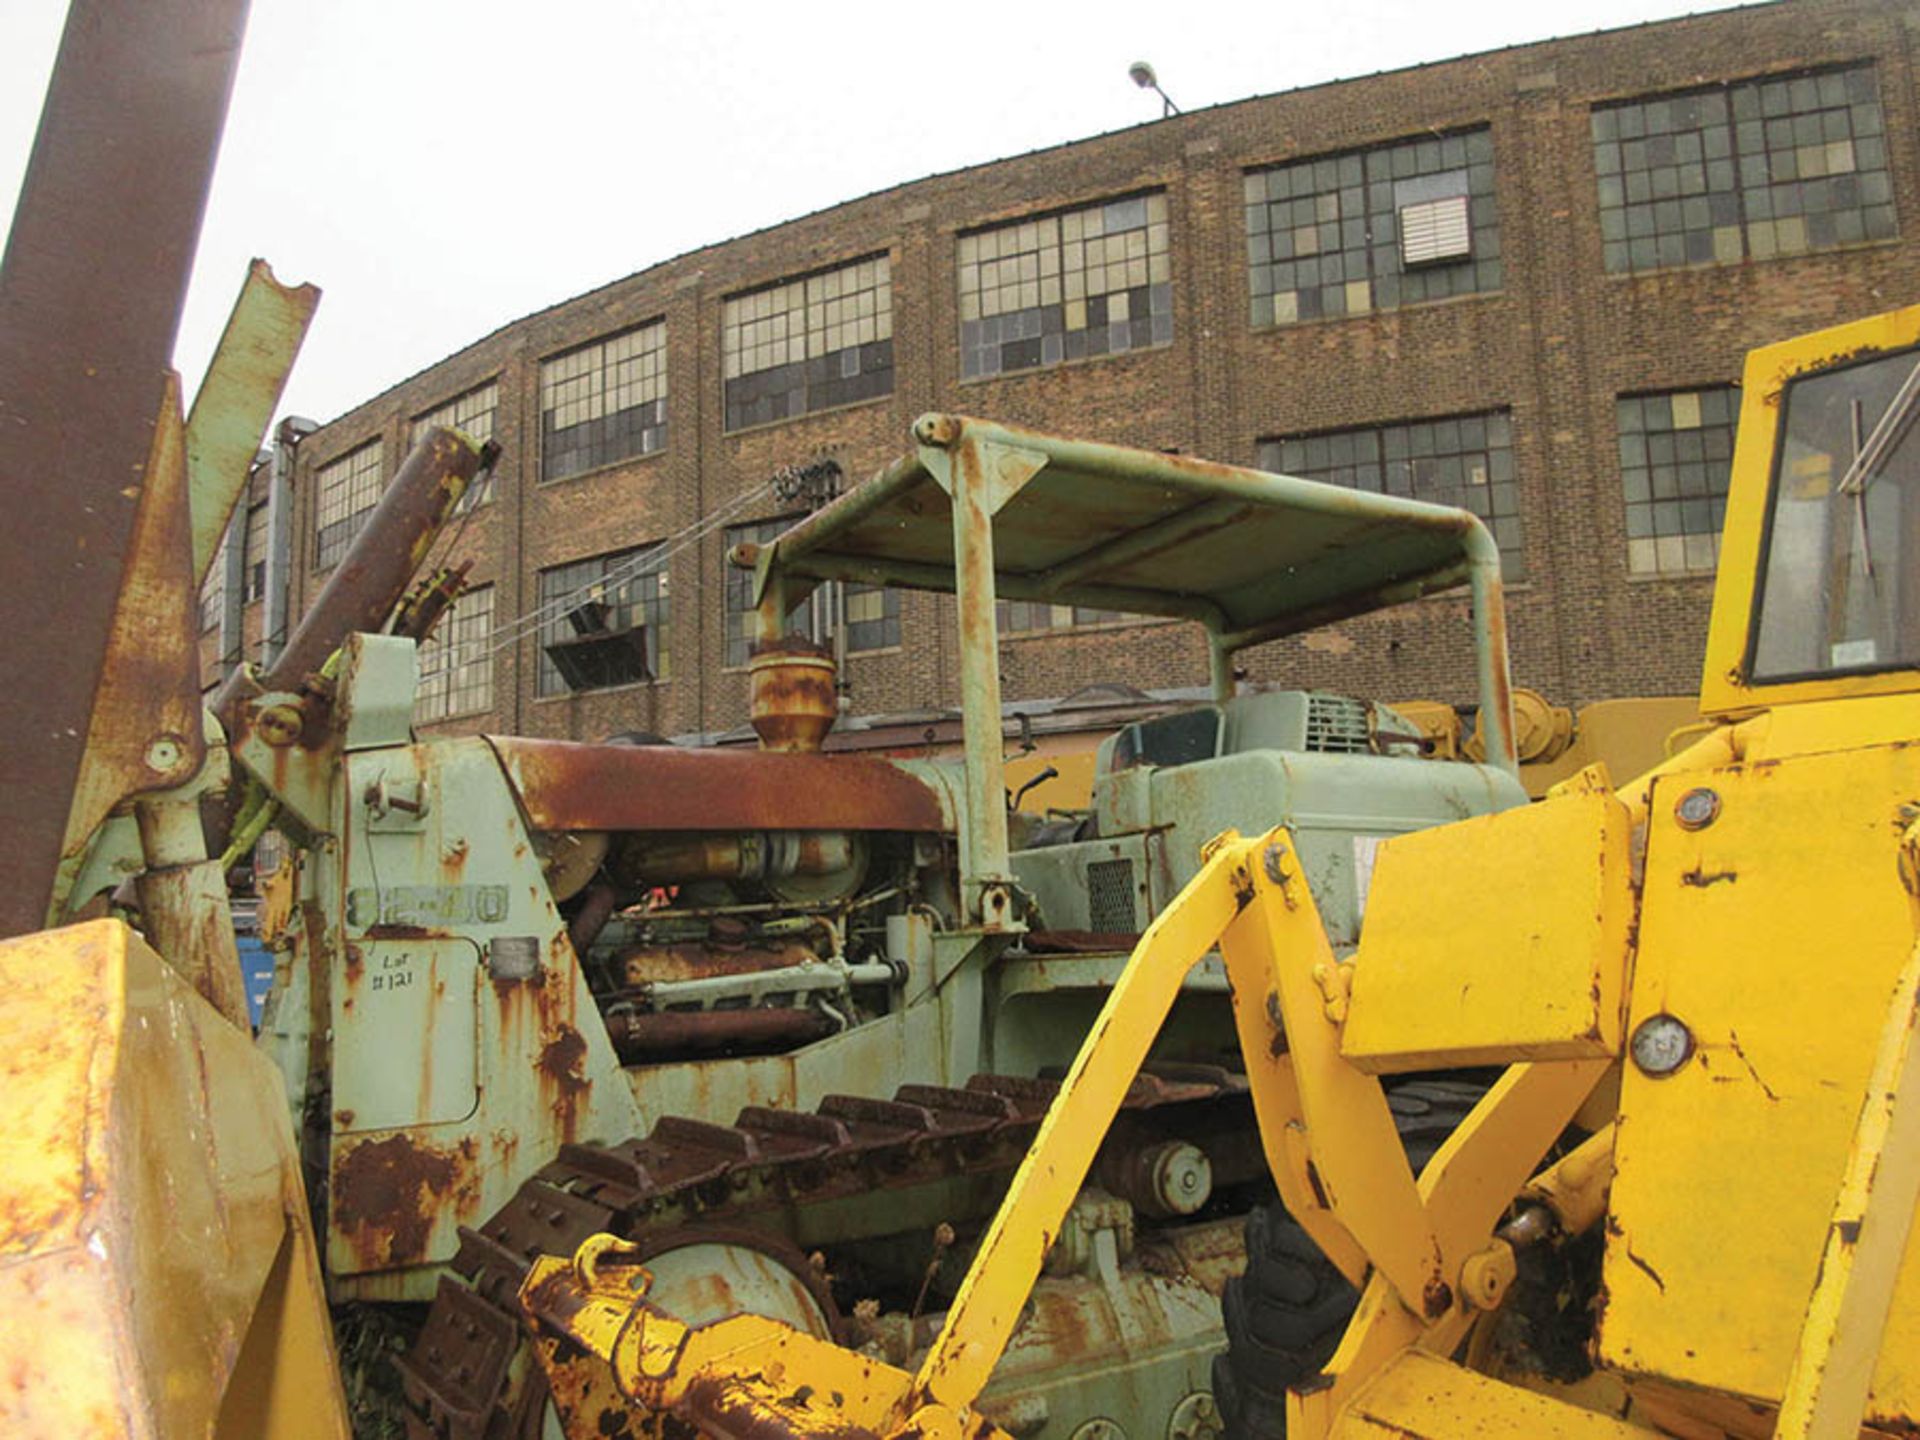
<point x="441" y="167"/>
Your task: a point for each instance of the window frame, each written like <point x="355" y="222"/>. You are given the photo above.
<point x="1055" y="233"/>
<point x="441" y="661"/>
<point x="1270" y="456"/>
<point x="213" y="588"/>
<point x="1007" y="614"/>
<point x="1373" y="177"/>
<point x="448" y="413"/>
<point x="1712" y="522"/>
<point x="737" y="584"/>
<point x="332" y="539"/>
<point x="651" y="437"/>
<point x="1633" y="138"/>
<point x="253" y="569"/>
<point x="629" y="611"/>
<point x="812" y="287"/>
<point x="888" y="620"/>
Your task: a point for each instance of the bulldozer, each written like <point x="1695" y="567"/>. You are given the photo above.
<point x="1682" y="1206"/>
<point x="793" y="1064"/>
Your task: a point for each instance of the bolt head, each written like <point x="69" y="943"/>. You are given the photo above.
<point x="164" y="754"/>
<point x="278" y="725"/>
<point x="1661" y="1044"/>
<point x="1697" y="809"/>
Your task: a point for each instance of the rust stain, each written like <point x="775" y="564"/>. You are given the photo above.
<point x="426" y="1044"/>
<point x="387" y="1194"/>
<point x="541" y="1013"/>
<point x="565" y="786"/>
<point x="1646" y="1269"/>
<point x="562" y="1057"/>
<point x="740" y="1408"/>
<point x="793" y="699"/>
<point x="555" y="1299"/>
<point x="591" y="918"/>
<point x="1733" y="1043"/>
<point x="675" y="1034"/>
<point x="1079" y="942"/>
<point x="1701" y="879"/>
<point x="692" y="961"/>
<point x="406" y="932"/>
<point x="356" y="964"/>
<point x="1496" y="617"/>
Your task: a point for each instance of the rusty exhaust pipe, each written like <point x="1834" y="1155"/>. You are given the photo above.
<point x="374" y="575"/>
<point x="680" y="1034"/>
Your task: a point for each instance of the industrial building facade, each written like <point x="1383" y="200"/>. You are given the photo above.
<point x="1521" y="282"/>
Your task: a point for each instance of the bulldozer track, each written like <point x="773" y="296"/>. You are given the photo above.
<point x="760" y="1171"/>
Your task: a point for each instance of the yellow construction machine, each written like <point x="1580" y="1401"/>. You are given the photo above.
<point x="1683" y="1205"/>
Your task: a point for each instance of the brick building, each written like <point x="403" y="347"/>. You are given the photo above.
<point x="1522" y="281"/>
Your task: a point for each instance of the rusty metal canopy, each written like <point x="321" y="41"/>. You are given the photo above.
<point x="1250" y="555"/>
<point x="565" y="786"/>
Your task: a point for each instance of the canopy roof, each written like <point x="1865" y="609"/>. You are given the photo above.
<point x="1250" y="555"/>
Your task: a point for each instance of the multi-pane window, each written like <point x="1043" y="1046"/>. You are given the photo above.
<point x="871" y="614"/>
<point x="1373" y="229"/>
<point x="1747" y="171"/>
<point x="1092" y="281"/>
<point x="1676" y="456"/>
<point x="739" y="587"/>
<point x="254" y="557"/>
<point x="606" y="622"/>
<point x="213" y="590"/>
<point x="471" y="413"/>
<point x="604" y="402"/>
<point x="456" y="661"/>
<point x="1460" y="460"/>
<point x="348" y="490"/>
<point x="809" y="344"/>
<point x="1015" y="617"/>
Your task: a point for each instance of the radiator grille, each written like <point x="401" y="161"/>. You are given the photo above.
<point x="1110" y="898"/>
<point x="1337" y="725"/>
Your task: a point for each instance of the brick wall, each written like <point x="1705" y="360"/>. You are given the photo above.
<point x="1554" y="347"/>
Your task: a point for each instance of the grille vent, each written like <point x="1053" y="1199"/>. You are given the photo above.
<point x="1432" y="231"/>
<point x="1110" y="907"/>
<point x="1337" y="725"/>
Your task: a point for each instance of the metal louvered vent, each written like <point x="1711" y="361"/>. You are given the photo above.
<point x="1110" y="907"/>
<point x="1337" y="725"/>
<point x="1434" y="231"/>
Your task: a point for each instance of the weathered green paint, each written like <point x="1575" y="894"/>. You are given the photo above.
<point x="980" y="478"/>
<point x="236" y="401"/>
<point x="1249" y="556"/>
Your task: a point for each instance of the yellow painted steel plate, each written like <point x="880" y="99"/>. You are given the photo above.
<point x="1774" y="933"/>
